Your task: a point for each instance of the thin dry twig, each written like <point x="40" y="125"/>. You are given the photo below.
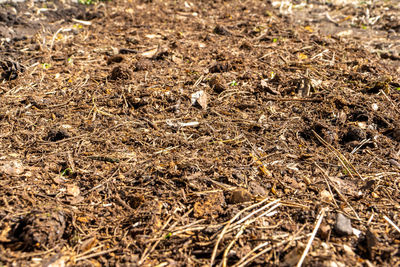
<point x="225" y="229"/>
<point x="346" y="164"/>
<point x="96" y="254"/>
<point x="247" y="222"/>
<point x="392" y="223"/>
<point x="342" y="197"/>
<point x="314" y="232"/>
<point x="149" y="249"/>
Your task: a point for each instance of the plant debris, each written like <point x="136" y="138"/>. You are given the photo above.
<point x="200" y="133"/>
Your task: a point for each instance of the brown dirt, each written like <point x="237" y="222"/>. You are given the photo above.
<point x="173" y="133"/>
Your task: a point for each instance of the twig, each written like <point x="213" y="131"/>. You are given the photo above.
<point x="293" y="99"/>
<point x="225" y="229"/>
<point x="390" y="100"/>
<point x="391" y="223"/>
<point x="251" y="252"/>
<point x="247" y="222"/>
<point x="314" y="232"/>
<point x="105" y="180"/>
<point x="342" y="197"/>
<point x="96" y="254"/>
<point x="243" y="262"/>
<point x="346" y="164"/>
<point x="148" y="250"/>
<point x="327" y="184"/>
<point x="228" y="248"/>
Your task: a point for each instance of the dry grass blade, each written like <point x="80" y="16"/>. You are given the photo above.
<point x="103" y="147"/>
<point x="342" y="197"/>
<point x="314" y="232"/>
<point x="244" y="259"/>
<point x="228" y="224"/>
<point x="149" y="249"/>
<point x="95" y="254"/>
<point x="346" y="164"/>
<point x="392" y="223"/>
<point x="246" y="222"/>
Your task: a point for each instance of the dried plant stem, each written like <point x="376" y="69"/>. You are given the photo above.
<point x="391" y="223"/>
<point x="247" y="222"/>
<point x="345" y="163"/>
<point x="314" y="232"/>
<point x="96" y="254"/>
<point x="342" y="197"/>
<point x="148" y="250"/>
<point x="228" y="224"/>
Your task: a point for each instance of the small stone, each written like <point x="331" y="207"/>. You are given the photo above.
<point x="120" y="73"/>
<point x="343" y="225"/>
<point x="221" y="30"/>
<point x="115" y="59"/>
<point x="374" y="195"/>
<point x="221" y="66"/>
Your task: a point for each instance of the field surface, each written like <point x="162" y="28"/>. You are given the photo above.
<point x="200" y="133"/>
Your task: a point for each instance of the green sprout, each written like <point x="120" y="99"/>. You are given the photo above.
<point x="167" y="236"/>
<point x="275" y="40"/>
<point x="233" y="83"/>
<point x="46" y="66"/>
<point x="66" y="172"/>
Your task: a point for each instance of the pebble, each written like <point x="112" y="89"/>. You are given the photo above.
<point x="343" y="225"/>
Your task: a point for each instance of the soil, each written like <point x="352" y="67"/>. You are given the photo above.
<point x="193" y="133"/>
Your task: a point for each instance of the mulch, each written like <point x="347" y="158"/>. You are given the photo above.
<point x="176" y="133"/>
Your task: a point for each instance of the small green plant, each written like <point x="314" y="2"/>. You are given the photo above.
<point x="66" y="172"/>
<point x="398" y="88"/>
<point x="46" y="66"/>
<point x="233" y="83"/>
<point x="167" y="236"/>
<point x="275" y="40"/>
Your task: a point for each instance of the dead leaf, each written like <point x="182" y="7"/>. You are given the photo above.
<point x="150" y="53"/>
<point x="73" y="190"/>
<point x="200" y="98"/>
<point x="239" y="195"/>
